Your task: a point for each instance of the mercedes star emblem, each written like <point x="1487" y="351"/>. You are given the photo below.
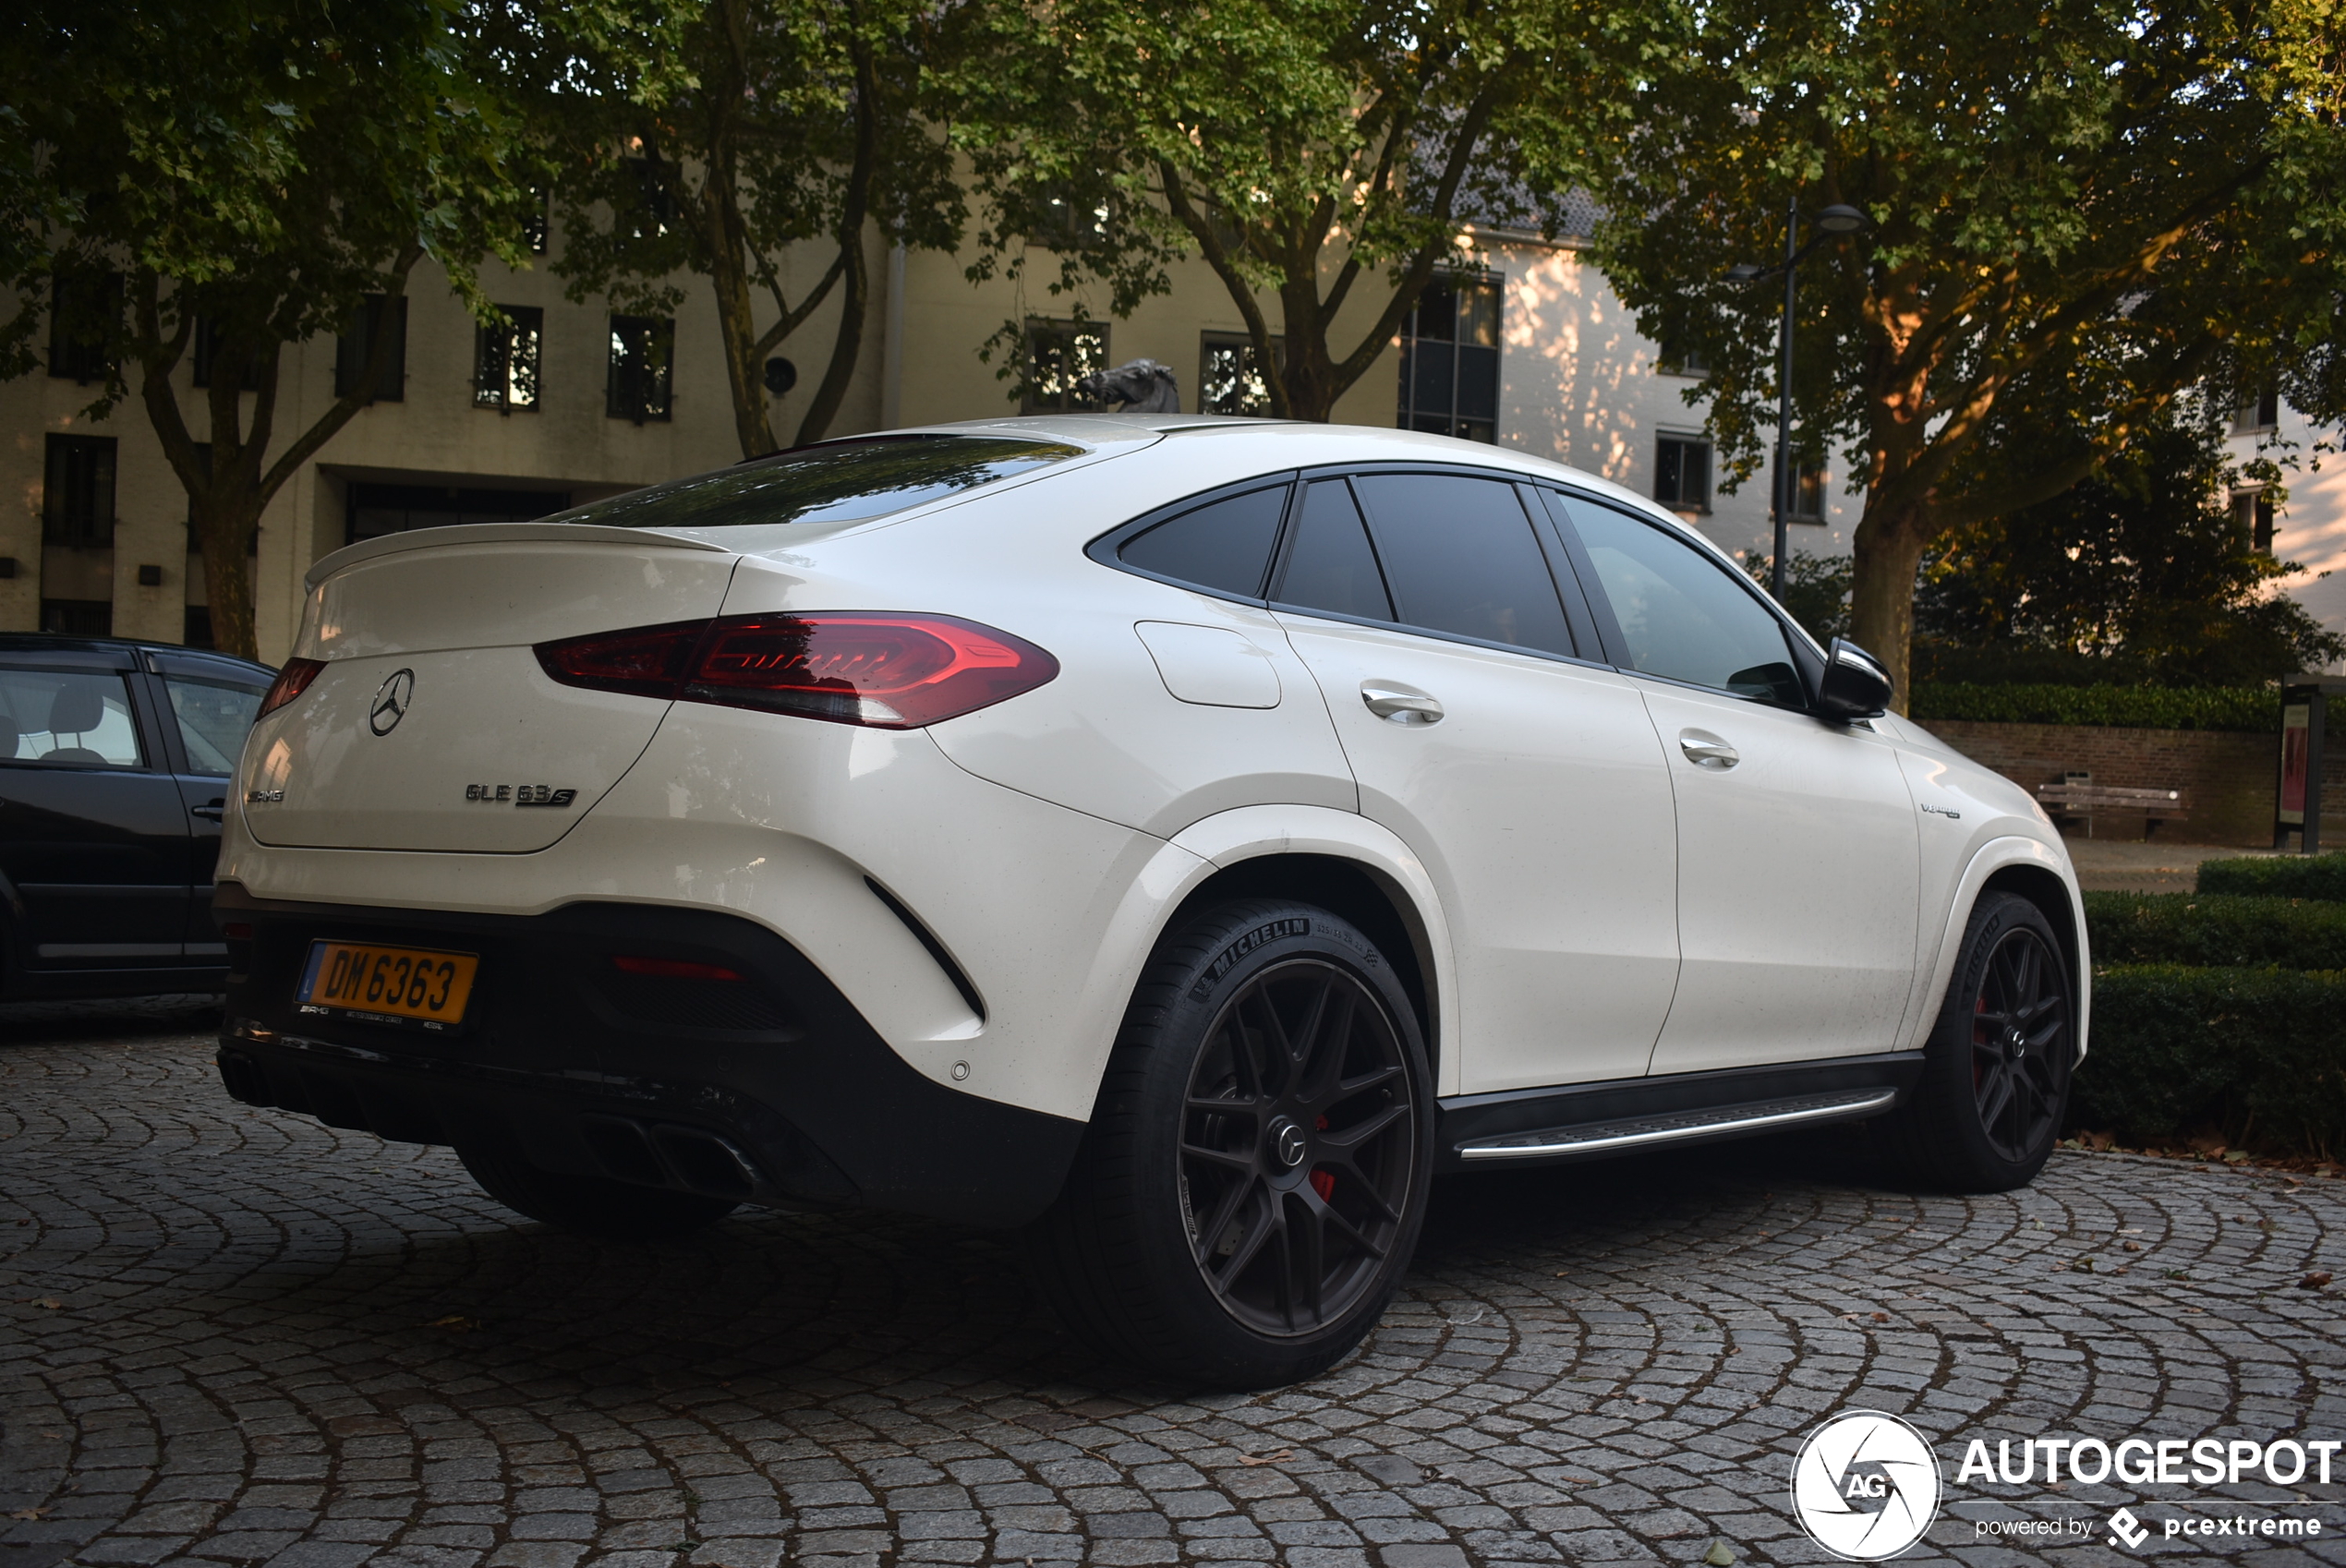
<point x="391" y="701"/>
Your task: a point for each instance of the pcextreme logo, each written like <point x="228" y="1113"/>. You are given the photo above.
<point x="1866" y="1486"/>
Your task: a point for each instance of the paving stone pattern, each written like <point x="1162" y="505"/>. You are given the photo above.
<point x="233" y="1336"/>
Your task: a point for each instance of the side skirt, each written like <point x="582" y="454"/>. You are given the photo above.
<point x="1590" y="1120"/>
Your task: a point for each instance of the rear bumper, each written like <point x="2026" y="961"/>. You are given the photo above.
<point x="771" y="1089"/>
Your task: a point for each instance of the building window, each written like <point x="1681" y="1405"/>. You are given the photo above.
<point x="2259" y="413"/>
<point x="377" y="509"/>
<point x="77" y="618"/>
<point x="643" y="362"/>
<point x="85" y="314"/>
<point x="505" y="358"/>
<point x="351" y="349"/>
<point x="535" y="226"/>
<point x="76" y="495"/>
<point x="1058" y="355"/>
<point x="1065" y="221"/>
<point x="1450" y="358"/>
<point x="2252" y="515"/>
<point x="1808" y="492"/>
<point x="1230" y="376"/>
<point x="1682" y="473"/>
<point x="1688" y="362"/>
<point x="652" y="204"/>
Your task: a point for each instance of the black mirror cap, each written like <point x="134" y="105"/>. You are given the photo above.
<point x="1854" y="686"/>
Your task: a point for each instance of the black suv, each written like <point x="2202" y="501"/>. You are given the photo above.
<point x="115" y="758"/>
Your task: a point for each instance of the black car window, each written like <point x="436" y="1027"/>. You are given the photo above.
<point x="837" y="482"/>
<point x="213" y="717"/>
<point x="1330" y="565"/>
<point x="67" y="719"/>
<point x="1682" y="614"/>
<point x="1461" y="558"/>
<point x="1223" y="545"/>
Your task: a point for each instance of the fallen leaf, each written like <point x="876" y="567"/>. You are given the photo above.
<point x="2134" y="1246"/>
<point x="1881" y="1317"/>
<point x="2315" y="1281"/>
<point x="455" y="1323"/>
<point x="1280" y="1458"/>
<point x="1720" y="1555"/>
<point x="30" y="1512"/>
<point x="51" y="1302"/>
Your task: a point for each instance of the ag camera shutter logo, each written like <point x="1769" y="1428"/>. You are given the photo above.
<point x="1866" y="1486"/>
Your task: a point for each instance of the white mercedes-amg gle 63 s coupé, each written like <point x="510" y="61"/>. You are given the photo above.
<point x="1180" y="838"/>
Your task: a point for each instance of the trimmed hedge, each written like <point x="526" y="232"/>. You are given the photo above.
<point x="2258" y="1053"/>
<point x="2252" y="708"/>
<point x="2277" y="876"/>
<point x="2214" y="929"/>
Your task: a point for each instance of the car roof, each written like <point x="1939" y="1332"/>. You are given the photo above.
<point x="127" y="651"/>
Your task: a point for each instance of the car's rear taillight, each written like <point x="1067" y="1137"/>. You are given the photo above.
<point x="649" y="661"/>
<point x="877" y="668"/>
<point x="291" y="682"/>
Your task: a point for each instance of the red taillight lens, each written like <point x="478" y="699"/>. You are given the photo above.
<point x="879" y="669"/>
<point x="291" y="682"/>
<point x="672" y="968"/>
<point x="646" y="662"/>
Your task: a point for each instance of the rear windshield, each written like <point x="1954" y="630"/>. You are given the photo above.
<point x="834" y="483"/>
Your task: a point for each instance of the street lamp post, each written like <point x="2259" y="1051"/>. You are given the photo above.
<point x="1833" y="221"/>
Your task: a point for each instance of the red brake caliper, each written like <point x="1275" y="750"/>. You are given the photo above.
<point x="1324" y="1179"/>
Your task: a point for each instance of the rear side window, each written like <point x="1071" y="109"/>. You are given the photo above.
<point x="1223" y="545"/>
<point x="1681" y="615"/>
<point x="67" y="719"/>
<point x="837" y="482"/>
<point x="213" y="718"/>
<point x="1330" y="567"/>
<point x="1461" y="557"/>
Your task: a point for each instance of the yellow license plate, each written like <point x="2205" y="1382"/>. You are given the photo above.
<point x="387" y="984"/>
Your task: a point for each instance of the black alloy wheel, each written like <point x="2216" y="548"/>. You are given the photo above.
<point x="1255" y="1175"/>
<point x="1986" y="1111"/>
<point x="1297" y="1148"/>
<point x="2020" y="1044"/>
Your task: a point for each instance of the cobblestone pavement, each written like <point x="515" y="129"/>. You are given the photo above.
<point x="237" y="1336"/>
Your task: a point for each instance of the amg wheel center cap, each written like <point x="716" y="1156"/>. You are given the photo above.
<point x="2018" y="1042"/>
<point x="1288" y="1142"/>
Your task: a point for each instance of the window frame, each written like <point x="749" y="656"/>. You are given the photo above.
<point x="101" y="531"/>
<point x="1564" y="570"/>
<point x="1679" y="437"/>
<point x="1210" y="338"/>
<point x="1807" y="660"/>
<point x="1407" y="341"/>
<point x="158" y="751"/>
<point x="1030" y="332"/>
<point x="350" y="351"/>
<point x="513" y="319"/>
<point x="663" y="330"/>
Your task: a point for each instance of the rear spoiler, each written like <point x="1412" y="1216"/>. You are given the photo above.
<point x="500" y="533"/>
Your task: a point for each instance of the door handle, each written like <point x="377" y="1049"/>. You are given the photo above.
<point x="1400" y="704"/>
<point x="209" y="810"/>
<point x="1706" y="749"/>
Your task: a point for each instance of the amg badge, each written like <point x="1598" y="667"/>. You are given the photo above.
<point x="520" y="794"/>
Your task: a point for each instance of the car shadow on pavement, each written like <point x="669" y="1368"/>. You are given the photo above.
<point x="124" y="1017"/>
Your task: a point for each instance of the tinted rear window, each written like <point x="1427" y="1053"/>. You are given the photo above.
<point x="840" y="482"/>
<point x="1225" y="545"/>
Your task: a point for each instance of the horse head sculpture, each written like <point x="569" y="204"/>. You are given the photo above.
<point x="1142" y="386"/>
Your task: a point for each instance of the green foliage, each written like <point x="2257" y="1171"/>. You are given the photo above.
<point x="1301" y="147"/>
<point x="2215" y="929"/>
<point x="2080" y="208"/>
<point x="2258" y="1053"/>
<point x="261" y="165"/>
<point x="712" y="136"/>
<point x="1815" y="590"/>
<point x="2277" y="876"/>
<point x="2143" y="565"/>
<point x="2249" y="708"/>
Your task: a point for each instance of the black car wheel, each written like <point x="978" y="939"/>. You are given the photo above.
<point x="1995" y="1079"/>
<point x="1252" y="1183"/>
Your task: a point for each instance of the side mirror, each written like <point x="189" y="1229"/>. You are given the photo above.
<point x="1855" y="685"/>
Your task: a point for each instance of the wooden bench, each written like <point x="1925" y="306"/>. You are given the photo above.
<point x="2083" y="799"/>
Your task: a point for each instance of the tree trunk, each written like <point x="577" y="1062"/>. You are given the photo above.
<point x="225" y="517"/>
<point x="745" y="374"/>
<point x="1888" y="551"/>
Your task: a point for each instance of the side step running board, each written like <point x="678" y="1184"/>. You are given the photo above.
<point x="1761" y="1115"/>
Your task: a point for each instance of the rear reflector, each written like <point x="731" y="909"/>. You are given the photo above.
<point x="875" y="668"/>
<point x="672" y="968"/>
<point x="291" y="682"/>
